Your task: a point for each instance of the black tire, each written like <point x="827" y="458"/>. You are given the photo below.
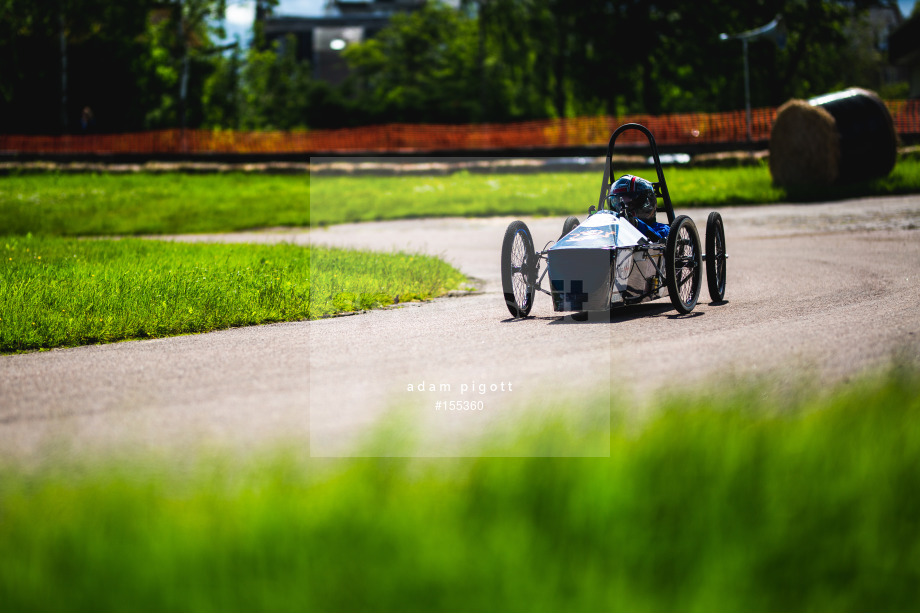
<point x="683" y="264"/>
<point x="569" y="225"/>
<point x="519" y="267"/>
<point x="715" y="257"/>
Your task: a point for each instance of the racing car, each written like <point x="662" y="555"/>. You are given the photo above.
<point x="620" y="255"/>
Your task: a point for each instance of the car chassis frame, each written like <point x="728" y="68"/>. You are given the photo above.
<point x="613" y="259"/>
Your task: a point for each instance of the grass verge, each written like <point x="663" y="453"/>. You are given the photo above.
<point x="353" y="199"/>
<point x="58" y="292"/>
<point x="752" y="501"/>
<point x="102" y="204"/>
<point x="341" y="199"/>
<point x="176" y="203"/>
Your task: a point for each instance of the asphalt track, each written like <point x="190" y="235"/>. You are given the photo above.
<point x="816" y="294"/>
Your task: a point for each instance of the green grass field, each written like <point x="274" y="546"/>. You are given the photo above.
<point x="350" y="199"/>
<point x="754" y="501"/>
<point x="102" y="204"/>
<point x="58" y="292"/>
<point x="176" y="203"/>
<point x="337" y="199"/>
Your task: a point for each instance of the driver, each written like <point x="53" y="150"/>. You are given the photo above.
<point x="634" y="196"/>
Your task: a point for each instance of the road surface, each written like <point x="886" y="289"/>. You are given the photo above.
<point x="815" y="293"/>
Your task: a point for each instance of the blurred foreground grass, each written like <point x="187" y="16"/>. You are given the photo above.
<point x="176" y="203"/>
<point x="755" y="500"/>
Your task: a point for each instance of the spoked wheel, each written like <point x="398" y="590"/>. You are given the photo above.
<point x="683" y="264"/>
<point x="569" y="225"/>
<point x="519" y="269"/>
<point x="715" y="257"/>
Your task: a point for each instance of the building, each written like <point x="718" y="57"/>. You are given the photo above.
<point x="321" y="40"/>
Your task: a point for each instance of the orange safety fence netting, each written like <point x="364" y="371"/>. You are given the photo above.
<point x="676" y="129"/>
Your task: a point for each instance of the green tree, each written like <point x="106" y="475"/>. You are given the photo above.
<point x="422" y="67"/>
<point x="275" y="88"/>
<point x="266" y="87"/>
<point x="553" y="58"/>
<point x="181" y="54"/>
<point x="136" y="64"/>
<point x="222" y="92"/>
<point x="153" y="63"/>
<point x="60" y="56"/>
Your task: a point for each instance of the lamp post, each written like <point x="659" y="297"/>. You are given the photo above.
<point x="775" y="31"/>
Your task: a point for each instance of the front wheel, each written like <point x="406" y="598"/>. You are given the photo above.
<point x="519" y="268"/>
<point x="683" y="264"/>
<point x="569" y="225"/>
<point x="715" y="257"/>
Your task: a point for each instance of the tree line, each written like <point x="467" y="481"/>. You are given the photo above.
<point x="95" y="65"/>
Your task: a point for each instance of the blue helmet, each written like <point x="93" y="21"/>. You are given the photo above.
<point x="634" y="196"/>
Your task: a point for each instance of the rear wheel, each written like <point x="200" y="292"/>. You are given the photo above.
<point x="715" y="257"/>
<point x="683" y="264"/>
<point x="519" y="269"/>
<point x="569" y="225"/>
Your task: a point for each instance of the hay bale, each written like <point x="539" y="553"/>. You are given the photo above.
<point x="836" y="138"/>
<point x="804" y="145"/>
<point x="868" y="141"/>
